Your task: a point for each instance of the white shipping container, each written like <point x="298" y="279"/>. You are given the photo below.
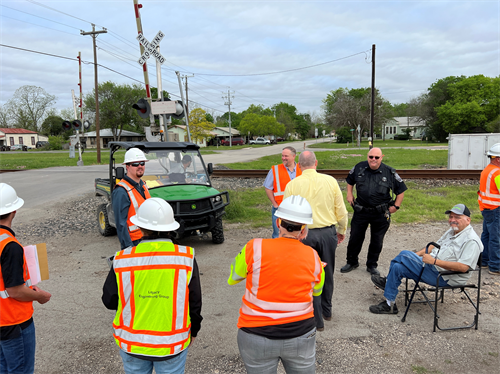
<point x="468" y="151"/>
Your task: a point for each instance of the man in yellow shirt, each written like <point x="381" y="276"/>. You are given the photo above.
<point x="329" y="224"/>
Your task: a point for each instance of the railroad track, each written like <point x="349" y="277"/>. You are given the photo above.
<point x="341" y="174"/>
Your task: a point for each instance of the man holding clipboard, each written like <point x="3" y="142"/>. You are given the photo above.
<point x="17" y="330"/>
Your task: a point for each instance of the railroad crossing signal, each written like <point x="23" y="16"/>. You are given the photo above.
<point x="150" y="48"/>
<point x="75" y="125"/>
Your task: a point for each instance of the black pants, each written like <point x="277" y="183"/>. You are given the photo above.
<point x="379" y="225"/>
<point x="324" y="241"/>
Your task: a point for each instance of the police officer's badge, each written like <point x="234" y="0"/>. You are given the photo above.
<point x="384" y="179"/>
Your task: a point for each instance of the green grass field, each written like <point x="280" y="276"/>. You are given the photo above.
<point x="346" y="159"/>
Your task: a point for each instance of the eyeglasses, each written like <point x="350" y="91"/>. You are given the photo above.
<point x="136" y="164"/>
<point x="374" y="157"/>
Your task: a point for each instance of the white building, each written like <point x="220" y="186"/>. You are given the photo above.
<point x="89" y="139"/>
<point x="397" y="125"/>
<point x="29" y="138"/>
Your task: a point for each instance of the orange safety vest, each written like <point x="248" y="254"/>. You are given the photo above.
<point x="136" y="200"/>
<point x="281" y="275"/>
<point x="488" y="194"/>
<point x="281" y="179"/>
<point x="152" y="318"/>
<point x="12" y="311"/>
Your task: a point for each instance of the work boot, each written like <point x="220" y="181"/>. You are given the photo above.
<point x="383" y="308"/>
<point x="348" y="267"/>
<point x="379" y="281"/>
<point x="373" y="271"/>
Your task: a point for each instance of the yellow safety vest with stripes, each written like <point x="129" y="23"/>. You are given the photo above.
<point x="152" y="318"/>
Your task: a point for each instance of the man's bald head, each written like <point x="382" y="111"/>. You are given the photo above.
<point x="307" y="160"/>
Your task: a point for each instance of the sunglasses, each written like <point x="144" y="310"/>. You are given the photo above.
<point x="374" y="157"/>
<point x="136" y="164"/>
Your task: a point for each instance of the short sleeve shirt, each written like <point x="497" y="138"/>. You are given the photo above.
<point x="373" y="187"/>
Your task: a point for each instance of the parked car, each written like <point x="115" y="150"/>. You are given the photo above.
<point x="234" y="141"/>
<point x="260" y="141"/>
<point x="18" y="147"/>
<point x="41" y="143"/>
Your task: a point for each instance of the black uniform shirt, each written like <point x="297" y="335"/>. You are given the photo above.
<point x="373" y="186"/>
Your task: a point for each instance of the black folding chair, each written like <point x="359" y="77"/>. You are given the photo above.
<point x="438" y="291"/>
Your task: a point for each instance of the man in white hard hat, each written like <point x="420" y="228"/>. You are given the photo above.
<point x="155" y="289"/>
<point x="277" y="313"/>
<point x="489" y="204"/>
<point x="329" y="224"/>
<point x="128" y="196"/>
<point x="17" y="329"/>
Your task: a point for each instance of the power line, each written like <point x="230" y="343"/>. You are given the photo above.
<point x="31" y="23"/>
<point x="34" y="15"/>
<point x="58" y="11"/>
<point x="282" y="71"/>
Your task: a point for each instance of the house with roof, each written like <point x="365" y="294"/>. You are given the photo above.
<point x="89" y="139"/>
<point x="178" y="133"/>
<point x="398" y="125"/>
<point x="11" y="136"/>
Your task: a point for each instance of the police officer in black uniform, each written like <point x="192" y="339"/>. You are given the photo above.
<point x="373" y="206"/>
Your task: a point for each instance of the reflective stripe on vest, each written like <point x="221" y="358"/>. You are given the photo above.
<point x="284" y="310"/>
<point x="136" y="200"/>
<point x="489" y="195"/>
<point x="12" y="311"/>
<point x="130" y="331"/>
<point x="281" y="179"/>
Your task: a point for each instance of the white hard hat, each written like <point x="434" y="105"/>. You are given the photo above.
<point x="9" y="201"/>
<point x="134" y="155"/>
<point x="155" y="214"/>
<point x="494" y="150"/>
<point x="295" y="209"/>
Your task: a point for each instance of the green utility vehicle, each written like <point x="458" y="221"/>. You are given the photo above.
<point x="198" y="207"/>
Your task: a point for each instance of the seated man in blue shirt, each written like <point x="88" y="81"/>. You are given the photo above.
<point x="459" y="250"/>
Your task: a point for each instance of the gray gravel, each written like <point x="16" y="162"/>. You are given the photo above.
<point x="74" y="332"/>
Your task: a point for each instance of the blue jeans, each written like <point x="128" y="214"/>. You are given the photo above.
<point x="491" y="239"/>
<point x="262" y="355"/>
<point x="276" y="230"/>
<point x="133" y="365"/>
<point x="409" y="265"/>
<point x="18" y="355"/>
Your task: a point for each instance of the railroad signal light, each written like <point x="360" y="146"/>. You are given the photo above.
<point x="77" y="124"/>
<point x="179" y="113"/>
<point x="66" y="125"/>
<point x="86" y="124"/>
<point x="143" y="108"/>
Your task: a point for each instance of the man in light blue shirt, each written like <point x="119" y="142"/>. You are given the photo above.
<point x="277" y="179"/>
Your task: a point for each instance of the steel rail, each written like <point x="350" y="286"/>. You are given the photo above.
<point x="341" y="174"/>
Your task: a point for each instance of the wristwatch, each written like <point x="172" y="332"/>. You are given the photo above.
<point x="397" y="207"/>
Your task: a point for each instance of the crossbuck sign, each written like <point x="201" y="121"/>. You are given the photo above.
<point x="150" y="48"/>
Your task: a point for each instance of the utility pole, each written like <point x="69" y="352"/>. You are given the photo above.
<point x="228" y="97"/>
<point x="372" y="110"/>
<point x="186" y="117"/>
<point x="186" y="88"/>
<point x="94" y="34"/>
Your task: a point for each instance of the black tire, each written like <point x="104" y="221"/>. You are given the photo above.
<point x="103" y="223"/>
<point x="218" y="232"/>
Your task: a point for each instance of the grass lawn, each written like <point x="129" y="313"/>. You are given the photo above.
<point x="420" y="205"/>
<point x="346" y="159"/>
<point x="328" y="143"/>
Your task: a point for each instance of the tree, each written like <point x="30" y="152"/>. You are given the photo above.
<point x="426" y="106"/>
<point x="344" y="135"/>
<point x="199" y="127"/>
<point x="473" y="103"/>
<point x="28" y="107"/>
<point x="350" y="108"/>
<point x="235" y="120"/>
<point x="52" y="126"/>
<point x="115" y="107"/>
<point x="250" y="124"/>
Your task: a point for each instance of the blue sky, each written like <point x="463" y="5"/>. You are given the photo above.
<point x="234" y="44"/>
